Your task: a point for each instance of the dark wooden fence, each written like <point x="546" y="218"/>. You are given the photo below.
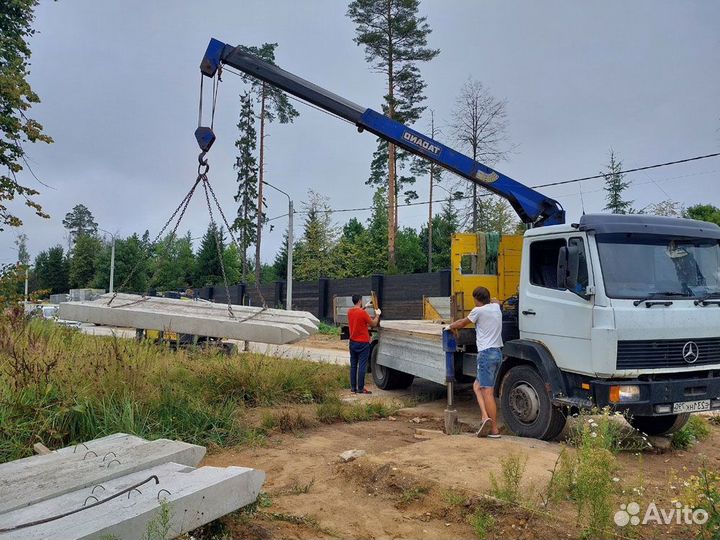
<point x="400" y="296"/>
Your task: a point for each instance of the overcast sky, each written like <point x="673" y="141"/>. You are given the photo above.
<point x="119" y="83"/>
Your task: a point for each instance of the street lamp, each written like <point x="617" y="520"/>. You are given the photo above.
<point x="288" y="292"/>
<point x="112" y="258"/>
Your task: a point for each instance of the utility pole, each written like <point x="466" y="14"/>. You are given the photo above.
<point x="289" y="278"/>
<point x="288" y="301"/>
<point x="112" y="264"/>
<point x="27" y="270"/>
<point x="112" y="259"/>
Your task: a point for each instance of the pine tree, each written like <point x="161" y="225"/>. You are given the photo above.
<point x="52" y="269"/>
<point x="208" y="270"/>
<point x="79" y="221"/>
<point x="186" y="261"/>
<point x="245" y="224"/>
<point x="614" y="187"/>
<point x="82" y="261"/>
<point x="313" y="256"/>
<point x="274" y="105"/>
<point x="131" y="265"/>
<point x="281" y="258"/>
<point x="233" y="264"/>
<point x="395" y="41"/>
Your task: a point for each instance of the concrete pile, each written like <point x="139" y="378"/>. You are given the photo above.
<point x="197" y="317"/>
<point x="120" y="486"/>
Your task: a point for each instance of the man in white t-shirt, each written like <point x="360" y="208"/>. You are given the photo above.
<point x="487" y="318"/>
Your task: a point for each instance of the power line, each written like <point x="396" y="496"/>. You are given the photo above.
<point x="562" y="182"/>
<point x="601" y="175"/>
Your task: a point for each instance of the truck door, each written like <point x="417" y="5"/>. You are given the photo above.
<point x="559" y="318"/>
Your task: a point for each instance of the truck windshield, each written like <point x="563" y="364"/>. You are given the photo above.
<point x="641" y="265"/>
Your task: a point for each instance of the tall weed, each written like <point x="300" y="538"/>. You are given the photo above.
<point x="58" y="386"/>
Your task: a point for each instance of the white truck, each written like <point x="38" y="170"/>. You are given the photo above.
<point x="618" y="310"/>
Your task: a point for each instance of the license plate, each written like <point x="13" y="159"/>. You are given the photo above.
<point x="691" y="406"/>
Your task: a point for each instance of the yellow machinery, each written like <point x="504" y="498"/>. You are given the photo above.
<point x="484" y="259"/>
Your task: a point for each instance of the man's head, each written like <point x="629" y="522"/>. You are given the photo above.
<point x="481" y="296"/>
<point x="357" y="299"/>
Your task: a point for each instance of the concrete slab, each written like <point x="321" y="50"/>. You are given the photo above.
<point x="43" y="477"/>
<point x="112" y="443"/>
<point x="275" y="326"/>
<point x="193" y="497"/>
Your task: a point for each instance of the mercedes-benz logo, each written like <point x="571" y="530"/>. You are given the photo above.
<point x="690" y="352"/>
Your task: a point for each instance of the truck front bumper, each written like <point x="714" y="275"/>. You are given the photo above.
<point x="657" y="398"/>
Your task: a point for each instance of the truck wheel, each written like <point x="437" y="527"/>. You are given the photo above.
<point x="557" y="424"/>
<point x="526" y="406"/>
<point x="387" y="378"/>
<point x="659" y="425"/>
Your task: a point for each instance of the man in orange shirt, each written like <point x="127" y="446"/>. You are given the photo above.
<point x="358" y="322"/>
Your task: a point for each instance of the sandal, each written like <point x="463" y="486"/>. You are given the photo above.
<point x="479" y="432"/>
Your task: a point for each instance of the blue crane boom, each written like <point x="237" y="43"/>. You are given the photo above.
<point x="532" y="207"/>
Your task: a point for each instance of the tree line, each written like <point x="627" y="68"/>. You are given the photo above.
<point x="324" y="249"/>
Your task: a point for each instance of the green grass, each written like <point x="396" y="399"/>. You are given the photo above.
<point x="414" y="493"/>
<point x="333" y="410"/>
<point x="697" y="429"/>
<point x="454" y="498"/>
<point x="60" y="387"/>
<point x="328" y="329"/>
<point x="481" y="522"/>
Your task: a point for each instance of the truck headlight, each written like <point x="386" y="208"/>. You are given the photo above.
<point x="624" y="393"/>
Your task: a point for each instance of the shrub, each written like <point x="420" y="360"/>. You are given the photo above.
<point x="481" y="522"/>
<point x="585" y="475"/>
<point x="697" y="429"/>
<point x="507" y="488"/>
<point x="703" y="491"/>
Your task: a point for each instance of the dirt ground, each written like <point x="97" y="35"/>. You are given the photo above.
<point x="410" y="487"/>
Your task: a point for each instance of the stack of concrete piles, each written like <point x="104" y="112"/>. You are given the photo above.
<point x="119" y="486"/>
<point x="248" y="323"/>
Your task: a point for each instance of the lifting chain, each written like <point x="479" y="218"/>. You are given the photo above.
<point x="202" y="171"/>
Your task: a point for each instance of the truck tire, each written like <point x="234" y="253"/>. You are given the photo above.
<point x="659" y="425"/>
<point x="387" y="378"/>
<point x="557" y="424"/>
<point x="526" y="406"/>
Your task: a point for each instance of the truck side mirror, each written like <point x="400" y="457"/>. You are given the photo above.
<point x="568" y="267"/>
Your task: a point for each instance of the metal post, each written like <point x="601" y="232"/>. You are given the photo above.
<point x="112" y="264"/>
<point x="449" y="342"/>
<point x="112" y="258"/>
<point x="27" y="269"/>
<point x="288" y="301"/>
<point x="288" y="295"/>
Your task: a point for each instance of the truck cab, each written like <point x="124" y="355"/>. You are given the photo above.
<point x="620" y="311"/>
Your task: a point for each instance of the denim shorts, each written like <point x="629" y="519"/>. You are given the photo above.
<point x="488" y="362"/>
